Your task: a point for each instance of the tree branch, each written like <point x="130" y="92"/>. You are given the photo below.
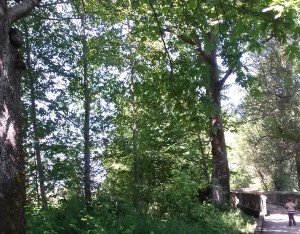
<point x="260" y="139"/>
<point x="192" y="42"/>
<point x="205" y="56"/>
<point x="57" y="19"/>
<point x="223" y="80"/>
<point x="20" y="10"/>
<point x="161" y="36"/>
<point x="188" y="40"/>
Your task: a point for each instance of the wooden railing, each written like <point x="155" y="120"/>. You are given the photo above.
<point x="280" y="197"/>
<point x="252" y="202"/>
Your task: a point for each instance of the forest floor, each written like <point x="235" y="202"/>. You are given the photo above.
<point x="277" y="221"/>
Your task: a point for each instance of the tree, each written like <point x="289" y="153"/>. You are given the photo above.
<point x="53" y="56"/>
<point x="214" y="36"/>
<point x="33" y="117"/>
<point x="12" y="177"/>
<point x="87" y="106"/>
<point x="209" y="30"/>
<point x="271" y="131"/>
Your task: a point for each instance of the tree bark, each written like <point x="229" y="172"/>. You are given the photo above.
<point x="12" y="177"/>
<point x="220" y="172"/>
<point x="12" y="164"/>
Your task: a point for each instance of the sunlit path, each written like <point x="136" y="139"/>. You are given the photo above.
<point x="277" y="221"/>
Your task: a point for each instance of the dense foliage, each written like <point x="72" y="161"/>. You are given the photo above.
<point x="270" y="136"/>
<point x="123" y="124"/>
<point x="70" y="216"/>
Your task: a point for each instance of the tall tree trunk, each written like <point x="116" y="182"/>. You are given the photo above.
<point x="12" y="163"/>
<point x="87" y="103"/>
<point x="220" y="172"/>
<point x="36" y="181"/>
<point x="134" y="141"/>
<point x="297" y="160"/>
<point x="134" y="130"/>
<point x="12" y="176"/>
<point x="37" y="148"/>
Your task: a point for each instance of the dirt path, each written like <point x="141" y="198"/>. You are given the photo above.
<point x="277" y="221"/>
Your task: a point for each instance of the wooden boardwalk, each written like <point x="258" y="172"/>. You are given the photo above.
<point x="277" y="221"/>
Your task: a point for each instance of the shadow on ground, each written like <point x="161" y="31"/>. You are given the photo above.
<point x="277" y="221"/>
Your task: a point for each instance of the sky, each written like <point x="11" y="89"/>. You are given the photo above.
<point x="235" y="93"/>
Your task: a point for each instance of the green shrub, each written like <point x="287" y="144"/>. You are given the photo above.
<point x="70" y="216"/>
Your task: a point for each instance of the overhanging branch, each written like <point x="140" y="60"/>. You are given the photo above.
<point x="20" y="10"/>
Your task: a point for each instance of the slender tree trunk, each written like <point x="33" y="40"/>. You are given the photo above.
<point x="134" y="130"/>
<point x="37" y="148"/>
<point x="203" y="159"/>
<point x="39" y="164"/>
<point x="297" y="161"/>
<point x="87" y="103"/>
<point x="36" y="180"/>
<point x="262" y="180"/>
<point x="134" y="141"/>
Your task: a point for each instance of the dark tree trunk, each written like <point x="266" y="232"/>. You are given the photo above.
<point x="220" y="172"/>
<point x="12" y="176"/>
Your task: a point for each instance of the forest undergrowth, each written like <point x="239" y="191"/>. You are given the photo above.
<point x="111" y="216"/>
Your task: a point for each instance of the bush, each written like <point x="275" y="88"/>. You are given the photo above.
<point x="70" y="216"/>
